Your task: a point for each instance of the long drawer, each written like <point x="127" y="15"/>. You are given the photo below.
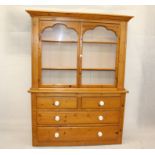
<point x="103" y="102"/>
<point x="78" y="117"/>
<point x="54" y="102"/>
<point x="68" y="134"/>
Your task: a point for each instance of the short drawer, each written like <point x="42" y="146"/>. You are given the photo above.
<point x="68" y="134"/>
<point x="56" y="102"/>
<point x="101" y="102"/>
<point x="79" y="117"/>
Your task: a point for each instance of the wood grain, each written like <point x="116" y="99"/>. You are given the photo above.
<point x="78" y="15"/>
<point x="122" y="56"/>
<point x="93" y="102"/>
<point x="71" y="134"/>
<point x="79" y="109"/>
<point x="35" y="53"/>
<point x="80" y="117"/>
<point x="48" y="102"/>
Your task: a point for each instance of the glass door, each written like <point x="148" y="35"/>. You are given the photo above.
<point x="59" y="56"/>
<point x="98" y="56"/>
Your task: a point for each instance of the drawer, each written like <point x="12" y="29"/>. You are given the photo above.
<point x="101" y="102"/>
<point x="79" y="117"/>
<point x="68" y="134"/>
<point x="56" y="102"/>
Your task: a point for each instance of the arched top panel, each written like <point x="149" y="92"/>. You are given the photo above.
<point x="99" y="33"/>
<point x="59" y="32"/>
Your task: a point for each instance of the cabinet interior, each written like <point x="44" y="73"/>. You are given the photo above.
<point x="74" y="58"/>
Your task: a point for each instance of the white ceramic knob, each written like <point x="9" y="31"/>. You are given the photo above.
<point x="57" y="118"/>
<point x="100" y="118"/>
<point x="56" y="135"/>
<point x="56" y="103"/>
<point x="101" y="103"/>
<point x="100" y="134"/>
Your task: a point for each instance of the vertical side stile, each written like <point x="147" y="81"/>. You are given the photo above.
<point x="122" y="56"/>
<point x="35" y="43"/>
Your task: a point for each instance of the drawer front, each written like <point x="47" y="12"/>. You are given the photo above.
<point x="51" y="134"/>
<point x="77" y="117"/>
<point x="56" y="102"/>
<point x="101" y="102"/>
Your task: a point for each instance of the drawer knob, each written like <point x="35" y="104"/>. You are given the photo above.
<point x="56" y="135"/>
<point x="101" y="103"/>
<point x="57" y="118"/>
<point x="100" y="134"/>
<point x="100" y="118"/>
<point x="56" y="103"/>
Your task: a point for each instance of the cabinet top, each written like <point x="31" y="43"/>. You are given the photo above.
<point x="79" y="15"/>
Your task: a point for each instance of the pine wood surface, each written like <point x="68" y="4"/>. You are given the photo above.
<point x="79" y="107"/>
<point x="80" y="117"/>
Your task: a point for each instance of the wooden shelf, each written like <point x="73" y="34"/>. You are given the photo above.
<point x="72" y="41"/>
<point x="50" y="68"/>
<point x="58" y="41"/>
<point x="99" y="42"/>
<point x="99" y="69"/>
<point x="87" y="69"/>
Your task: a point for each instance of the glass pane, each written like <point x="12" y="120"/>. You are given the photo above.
<point x="98" y="77"/>
<point x="99" y="55"/>
<point x="59" y="55"/>
<point x="59" y="77"/>
<point x="59" y="32"/>
<point x="100" y="34"/>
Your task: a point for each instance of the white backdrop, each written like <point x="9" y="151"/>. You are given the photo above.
<point x="15" y="74"/>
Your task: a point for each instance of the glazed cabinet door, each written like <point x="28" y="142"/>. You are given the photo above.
<point x="99" y="55"/>
<point x="74" y="54"/>
<point x="58" y="53"/>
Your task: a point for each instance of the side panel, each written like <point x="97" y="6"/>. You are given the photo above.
<point x="122" y="56"/>
<point x="34" y="117"/>
<point x="35" y="47"/>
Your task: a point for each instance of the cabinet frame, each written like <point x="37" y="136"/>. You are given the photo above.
<point x="51" y="24"/>
<point x="80" y="28"/>
<point x="117" y="23"/>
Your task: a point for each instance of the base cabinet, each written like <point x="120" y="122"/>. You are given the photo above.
<point x="77" y="119"/>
